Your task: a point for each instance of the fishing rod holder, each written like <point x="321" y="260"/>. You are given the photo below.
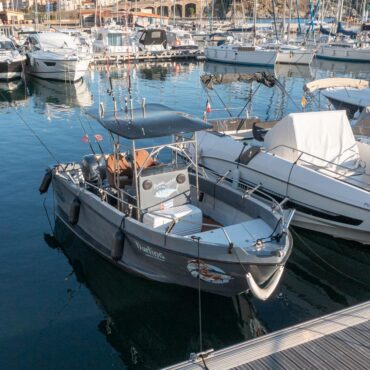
<point x="247" y="194"/>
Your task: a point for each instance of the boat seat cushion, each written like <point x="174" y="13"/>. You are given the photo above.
<point x="124" y="170"/>
<point x="143" y="159"/>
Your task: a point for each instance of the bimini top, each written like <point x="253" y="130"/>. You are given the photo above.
<point x="209" y="80"/>
<point x="155" y="120"/>
<point x="335" y="82"/>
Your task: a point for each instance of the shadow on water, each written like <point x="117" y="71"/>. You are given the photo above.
<point x="339" y="267"/>
<point x="148" y="323"/>
<point x="153" y="325"/>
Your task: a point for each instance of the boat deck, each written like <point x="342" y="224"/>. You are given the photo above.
<point x="337" y="341"/>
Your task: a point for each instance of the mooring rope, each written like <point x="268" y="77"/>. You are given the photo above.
<point x="32" y="130"/>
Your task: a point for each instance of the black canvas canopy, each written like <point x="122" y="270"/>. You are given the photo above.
<point x="209" y="80"/>
<point x="155" y="120"/>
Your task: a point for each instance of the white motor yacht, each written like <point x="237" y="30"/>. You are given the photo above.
<point x="181" y="40"/>
<point x="113" y="39"/>
<point x="343" y="93"/>
<point x="11" y="62"/>
<point x="152" y="40"/>
<point x="54" y="55"/>
<point x="311" y="160"/>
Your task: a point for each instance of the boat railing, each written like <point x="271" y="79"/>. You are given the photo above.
<point x="249" y="191"/>
<point x="104" y="194"/>
<point x="338" y="171"/>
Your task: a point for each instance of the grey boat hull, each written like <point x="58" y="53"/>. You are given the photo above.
<point x="158" y="257"/>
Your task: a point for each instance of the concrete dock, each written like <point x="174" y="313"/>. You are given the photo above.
<point x="337" y="341"/>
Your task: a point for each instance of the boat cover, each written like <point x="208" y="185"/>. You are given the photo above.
<point x="345" y="32"/>
<point x="156" y="120"/>
<point x="335" y="82"/>
<point x="322" y="139"/>
<point x="55" y="40"/>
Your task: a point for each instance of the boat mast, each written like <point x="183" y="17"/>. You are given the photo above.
<point x="284" y="11"/>
<point x="174" y="12"/>
<point x="201" y="14"/>
<point x="234" y="12"/>
<point x="290" y="19"/>
<point x="254" y="21"/>
<point x="161" y="14"/>
<point x="36" y="17"/>
<point x="364" y="11"/>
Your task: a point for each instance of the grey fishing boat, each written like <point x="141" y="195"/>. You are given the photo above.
<point x="152" y="213"/>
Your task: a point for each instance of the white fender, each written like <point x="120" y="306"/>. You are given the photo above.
<point x="264" y="293"/>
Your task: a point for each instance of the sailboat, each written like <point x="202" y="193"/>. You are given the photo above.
<point x="244" y="54"/>
<point x="344" y="50"/>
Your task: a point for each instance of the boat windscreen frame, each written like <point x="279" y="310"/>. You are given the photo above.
<point x="178" y="145"/>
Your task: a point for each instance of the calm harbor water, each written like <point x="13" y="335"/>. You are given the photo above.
<point x="63" y="307"/>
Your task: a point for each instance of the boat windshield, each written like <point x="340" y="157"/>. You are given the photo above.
<point x="7" y="45"/>
<point x="115" y="39"/>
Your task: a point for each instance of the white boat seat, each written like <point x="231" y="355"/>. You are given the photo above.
<point x="242" y="235"/>
<point x="188" y="219"/>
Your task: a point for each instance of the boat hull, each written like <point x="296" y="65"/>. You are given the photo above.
<point x="344" y="54"/>
<point x="70" y="70"/>
<point x="234" y="56"/>
<point x="315" y="215"/>
<point x="295" y="57"/>
<point x="11" y="70"/>
<point x="156" y="256"/>
<point x="322" y="203"/>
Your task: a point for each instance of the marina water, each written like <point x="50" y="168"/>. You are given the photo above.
<point x="64" y="307"/>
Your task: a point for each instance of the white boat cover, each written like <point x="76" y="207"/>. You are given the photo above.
<point x="322" y="139"/>
<point x="335" y="82"/>
<point x="56" y="40"/>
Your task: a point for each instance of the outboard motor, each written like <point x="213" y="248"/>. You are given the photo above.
<point x="93" y="169"/>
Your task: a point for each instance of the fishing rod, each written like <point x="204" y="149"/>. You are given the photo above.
<point x="96" y="136"/>
<point x="86" y="138"/>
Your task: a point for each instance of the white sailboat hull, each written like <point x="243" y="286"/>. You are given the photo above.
<point x="295" y="56"/>
<point x="344" y="54"/>
<point x="241" y="55"/>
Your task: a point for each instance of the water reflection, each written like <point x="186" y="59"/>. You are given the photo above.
<point x="154" y="324"/>
<point x="223" y="68"/>
<point x="56" y="96"/>
<point x="327" y="68"/>
<point x="13" y="92"/>
<point x="292" y="70"/>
